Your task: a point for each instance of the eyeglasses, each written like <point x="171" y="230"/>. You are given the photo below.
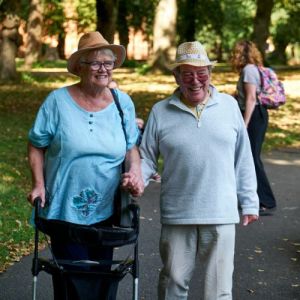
<point x="97" y="65"/>
<point x="189" y="76"/>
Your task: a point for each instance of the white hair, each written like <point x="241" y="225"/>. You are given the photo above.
<point x="104" y="51"/>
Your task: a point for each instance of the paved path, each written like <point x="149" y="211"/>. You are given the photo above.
<point x="267" y="264"/>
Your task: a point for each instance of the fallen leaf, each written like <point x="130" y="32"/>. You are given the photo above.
<point x="294" y="259"/>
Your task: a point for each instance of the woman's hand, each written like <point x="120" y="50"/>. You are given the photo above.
<point x="133" y="183"/>
<point x="132" y="180"/>
<point x="37" y="192"/>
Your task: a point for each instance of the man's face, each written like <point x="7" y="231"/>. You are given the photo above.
<point x="193" y="82"/>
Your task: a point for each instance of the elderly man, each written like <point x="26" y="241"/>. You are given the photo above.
<point x="207" y="169"/>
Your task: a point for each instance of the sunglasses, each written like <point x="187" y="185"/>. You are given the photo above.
<point x="189" y="76"/>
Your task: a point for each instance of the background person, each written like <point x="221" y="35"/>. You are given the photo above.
<point x="245" y="59"/>
<point x="207" y="168"/>
<point x="77" y="145"/>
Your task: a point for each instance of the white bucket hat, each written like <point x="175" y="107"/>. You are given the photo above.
<point x="92" y="41"/>
<point x="191" y="53"/>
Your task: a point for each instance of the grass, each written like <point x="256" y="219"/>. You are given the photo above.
<point x="19" y="104"/>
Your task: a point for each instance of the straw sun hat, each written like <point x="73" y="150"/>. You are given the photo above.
<point x="93" y="41"/>
<point x="191" y="53"/>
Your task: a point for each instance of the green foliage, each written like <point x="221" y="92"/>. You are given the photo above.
<point x="86" y="15"/>
<point x="286" y="22"/>
<point x="143" y="69"/>
<point x="17" y="107"/>
<point x="44" y="64"/>
<point x="218" y="24"/>
<point x="235" y="23"/>
<point x="18" y="7"/>
<point x="53" y="16"/>
<point x="140" y="14"/>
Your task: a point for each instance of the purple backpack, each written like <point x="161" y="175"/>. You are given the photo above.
<point x="272" y="93"/>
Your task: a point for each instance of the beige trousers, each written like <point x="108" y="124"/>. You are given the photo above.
<point x="179" y="248"/>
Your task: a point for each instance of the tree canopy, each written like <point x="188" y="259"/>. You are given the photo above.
<point x="216" y="23"/>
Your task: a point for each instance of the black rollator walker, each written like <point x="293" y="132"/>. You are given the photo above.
<point x="80" y="277"/>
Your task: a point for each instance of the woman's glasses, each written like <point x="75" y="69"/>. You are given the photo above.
<point x="97" y="65"/>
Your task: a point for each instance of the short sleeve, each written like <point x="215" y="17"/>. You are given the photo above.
<point x="45" y="124"/>
<point x="251" y="75"/>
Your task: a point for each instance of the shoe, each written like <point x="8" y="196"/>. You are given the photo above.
<point x="265" y="211"/>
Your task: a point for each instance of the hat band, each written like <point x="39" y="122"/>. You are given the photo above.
<point x="191" y="56"/>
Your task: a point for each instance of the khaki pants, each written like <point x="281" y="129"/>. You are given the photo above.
<point x="179" y="247"/>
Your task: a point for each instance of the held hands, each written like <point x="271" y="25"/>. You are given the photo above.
<point x="133" y="183"/>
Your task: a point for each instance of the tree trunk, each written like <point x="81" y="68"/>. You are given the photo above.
<point x="122" y="24"/>
<point x="279" y="54"/>
<point x="164" y="35"/>
<point x="11" y="40"/>
<point x="34" y="31"/>
<point x="219" y="50"/>
<point x="61" y="44"/>
<point x="189" y="13"/>
<point x="262" y="23"/>
<point x="107" y="11"/>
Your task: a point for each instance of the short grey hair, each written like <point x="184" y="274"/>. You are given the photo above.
<point x="103" y="51"/>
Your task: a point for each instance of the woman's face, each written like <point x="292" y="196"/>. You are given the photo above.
<point x="96" y="68"/>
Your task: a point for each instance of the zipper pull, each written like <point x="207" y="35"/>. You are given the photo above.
<point x="199" y="123"/>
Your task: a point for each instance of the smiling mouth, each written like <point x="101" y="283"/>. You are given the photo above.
<point x="101" y="76"/>
<point x="196" y="89"/>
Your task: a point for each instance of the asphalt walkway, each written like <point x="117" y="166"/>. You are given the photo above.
<point x="267" y="261"/>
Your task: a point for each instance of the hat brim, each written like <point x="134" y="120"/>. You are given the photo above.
<point x="191" y="63"/>
<point x="118" y="50"/>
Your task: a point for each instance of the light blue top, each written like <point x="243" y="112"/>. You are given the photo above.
<point x="83" y="157"/>
<point x="207" y="163"/>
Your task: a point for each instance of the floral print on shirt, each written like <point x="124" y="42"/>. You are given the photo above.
<point x="86" y="202"/>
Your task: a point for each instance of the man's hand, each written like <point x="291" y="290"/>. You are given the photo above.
<point x="247" y="219"/>
<point x="133" y="184"/>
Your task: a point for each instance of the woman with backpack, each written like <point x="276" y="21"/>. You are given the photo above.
<point x="245" y="60"/>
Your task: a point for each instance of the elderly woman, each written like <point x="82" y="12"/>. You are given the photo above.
<point x="77" y="145"/>
<point x="245" y="59"/>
